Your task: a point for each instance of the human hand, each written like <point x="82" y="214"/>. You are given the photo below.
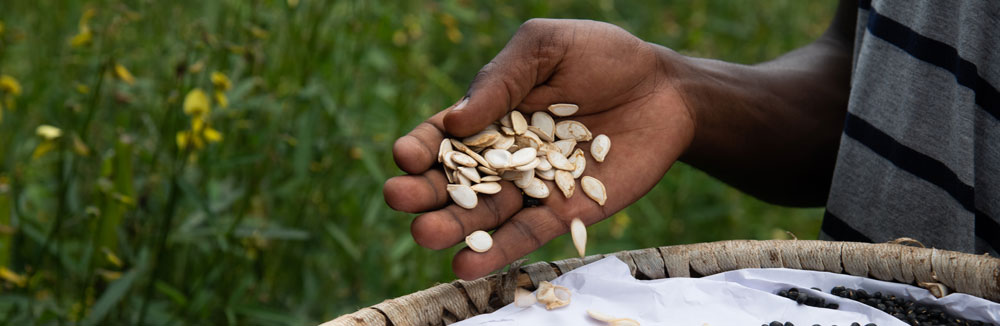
<point x="624" y="88"/>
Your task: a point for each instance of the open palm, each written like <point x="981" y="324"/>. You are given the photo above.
<point x="624" y="90"/>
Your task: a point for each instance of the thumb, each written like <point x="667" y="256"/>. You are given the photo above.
<point x="528" y="59"/>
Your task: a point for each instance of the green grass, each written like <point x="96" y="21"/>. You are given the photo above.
<point x="283" y="221"/>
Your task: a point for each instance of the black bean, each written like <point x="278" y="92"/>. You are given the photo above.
<point x="775" y="323"/>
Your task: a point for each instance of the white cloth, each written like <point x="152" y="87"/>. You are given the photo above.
<point x="743" y="297"/>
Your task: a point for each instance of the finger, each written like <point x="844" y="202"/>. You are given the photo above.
<point x="526" y="61"/>
<point x="528" y="230"/>
<point x="415" y="152"/>
<point x="416" y="193"/>
<point x="449" y="226"/>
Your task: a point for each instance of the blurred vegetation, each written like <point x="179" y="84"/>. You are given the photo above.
<point x="221" y="162"/>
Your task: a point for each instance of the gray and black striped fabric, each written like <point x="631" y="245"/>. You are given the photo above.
<point x="920" y="153"/>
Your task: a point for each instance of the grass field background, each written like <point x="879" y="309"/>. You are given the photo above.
<point x="119" y="205"/>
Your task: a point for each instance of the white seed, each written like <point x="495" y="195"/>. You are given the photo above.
<point x="599" y="147"/>
<point x="524" y="179"/>
<point x="565" y="182"/>
<point x="505" y="121"/>
<point x="450" y="163"/>
<point x="497" y="158"/>
<point x="540" y="133"/>
<point x="543" y="164"/>
<point x="511" y="175"/>
<point x="600" y="316"/>
<point x="537" y="189"/>
<point x="462" y="179"/>
<point x="488" y="188"/>
<point x="570" y="129"/>
<point x="523" y="298"/>
<point x="482" y="139"/>
<point x="579" y="232"/>
<point x="479" y="241"/>
<point x="463" y="196"/>
<point x="543" y="121"/>
<point x="559" y="161"/>
<point x="490" y="178"/>
<point x="487" y="171"/>
<point x="553" y="296"/>
<point x="565" y="146"/>
<point x="504" y="143"/>
<point x="458" y="145"/>
<point x="463" y="159"/>
<point x="549" y="174"/>
<point x="530" y="166"/>
<point x="563" y="109"/>
<point x="507" y="131"/>
<point x="470" y="173"/>
<point x="518" y="123"/>
<point x="594" y="189"/>
<point x="523" y="156"/>
<point x="579" y="160"/>
<point x="444" y="149"/>
<point x="623" y="322"/>
<point x="477" y="157"/>
<point x="492" y="127"/>
<point x="450" y="174"/>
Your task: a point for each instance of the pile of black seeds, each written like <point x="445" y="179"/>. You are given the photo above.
<point x="788" y="323"/>
<point x="805" y="299"/>
<point x="911" y="312"/>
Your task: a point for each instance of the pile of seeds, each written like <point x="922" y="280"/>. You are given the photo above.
<point x="556" y="296"/>
<point x="512" y="149"/>
<point x="909" y="311"/>
<point x="805" y="299"/>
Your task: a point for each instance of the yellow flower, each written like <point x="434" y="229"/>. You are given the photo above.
<point x="124" y="74"/>
<point x="212" y="135"/>
<point x="199" y="134"/>
<point x="11" y="276"/>
<point x="196" y="104"/>
<point x="48" y="132"/>
<point x="220" y="81"/>
<point x="81" y="38"/>
<point x="10" y="85"/>
<point x="222" y="99"/>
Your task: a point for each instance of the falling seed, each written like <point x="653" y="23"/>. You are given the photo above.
<point x="463" y="196"/>
<point x="599" y="147"/>
<point x="579" y="232"/>
<point x="563" y="109"/>
<point x="594" y="189"/>
<point x="523" y="298"/>
<point x="479" y="241"/>
<point x="537" y="189"/>
<point x="488" y="188"/>
<point x="518" y="123"/>
<point x="565" y="182"/>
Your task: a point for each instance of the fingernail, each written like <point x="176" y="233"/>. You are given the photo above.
<point x="461" y="104"/>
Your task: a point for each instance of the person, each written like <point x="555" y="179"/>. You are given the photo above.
<point x="891" y="119"/>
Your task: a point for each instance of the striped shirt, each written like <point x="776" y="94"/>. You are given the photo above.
<point x="920" y="152"/>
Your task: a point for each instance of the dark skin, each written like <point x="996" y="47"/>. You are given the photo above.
<point x="770" y="129"/>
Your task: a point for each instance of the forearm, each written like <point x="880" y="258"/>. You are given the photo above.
<point x="772" y="129"/>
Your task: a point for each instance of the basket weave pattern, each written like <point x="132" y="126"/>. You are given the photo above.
<point x="978" y="275"/>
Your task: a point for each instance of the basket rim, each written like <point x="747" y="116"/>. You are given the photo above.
<point x="941" y="271"/>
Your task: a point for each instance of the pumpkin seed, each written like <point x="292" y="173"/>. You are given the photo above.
<point x="530" y="166"/>
<point x="579" y="160"/>
<point x="563" y="109"/>
<point x="477" y="157"/>
<point x="549" y="174"/>
<point x="497" y="158"/>
<point x="444" y="149"/>
<point x="523" y="298"/>
<point x="463" y="159"/>
<point x="565" y="146"/>
<point x="594" y="189"/>
<point x="479" y="241"/>
<point x="487" y="171"/>
<point x="482" y="139"/>
<point x="518" y="123"/>
<point x="559" y="161"/>
<point x="462" y="179"/>
<point x="537" y="189"/>
<point x="623" y="322"/>
<point x="488" y="188"/>
<point x="524" y="178"/>
<point x="579" y="232"/>
<point x="599" y="147"/>
<point x="504" y="143"/>
<point x="505" y="121"/>
<point x="458" y="145"/>
<point x="600" y="316"/>
<point x="523" y="156"/>
<point x="570" y="129"/>
<point x="565" y="182"/>
<point x="463" y="196"/>
<point x="543" y="164"/>
<point x="450" y="163"/>
<point x="470" y="173"/>
<point x="507" y="131"/>
<point x="544" y="124"/>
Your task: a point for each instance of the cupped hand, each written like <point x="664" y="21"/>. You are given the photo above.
<point x="625" y="89"/>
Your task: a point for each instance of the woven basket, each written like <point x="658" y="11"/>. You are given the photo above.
<point x="938" y="270"/>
